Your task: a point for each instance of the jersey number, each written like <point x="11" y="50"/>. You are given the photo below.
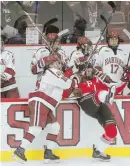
<point x="114" y="68"/>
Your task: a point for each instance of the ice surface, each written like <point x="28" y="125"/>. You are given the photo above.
<point x="116" y="161"/>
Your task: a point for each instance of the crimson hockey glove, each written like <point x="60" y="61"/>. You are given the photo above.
<point x="126" y="74"/>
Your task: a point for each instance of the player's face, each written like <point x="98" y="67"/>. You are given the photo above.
<point x="89" y="72"/>
<point x="55" y="45"/>
<point x="113" y="41"/>
<point x="87" y="49"/>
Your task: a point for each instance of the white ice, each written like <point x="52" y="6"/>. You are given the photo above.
<point x="75" y="161"/>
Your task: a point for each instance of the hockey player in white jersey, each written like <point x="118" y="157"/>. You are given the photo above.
<point x="41" y="58"/>
<point x="42" y="104"/>
<point x="84" y="49"/>
<point x="9" y="88"/>
<point x="111" y="60"/>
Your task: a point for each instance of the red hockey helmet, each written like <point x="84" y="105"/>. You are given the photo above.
<point x="83" y="40"/>
<point x="113" y="39"/>
<point x="113" y="34"/>
<point x="85" y="45"/>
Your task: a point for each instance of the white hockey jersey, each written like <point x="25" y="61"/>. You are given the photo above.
<point x="110" y="63"/>
<point x="7" y="71"/>
<point x="51" y="87"/>
<point x="37" y="63"/>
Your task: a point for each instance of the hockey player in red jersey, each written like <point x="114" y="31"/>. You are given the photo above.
<point x="42" y="104"/>
<point x="9" y="88"/>
<point x="93" y="96"/>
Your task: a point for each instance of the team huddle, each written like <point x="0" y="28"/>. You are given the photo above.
<point x="93" y="83"/>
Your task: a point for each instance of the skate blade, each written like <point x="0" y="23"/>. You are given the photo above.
<point x="101" y="160"/>
<point x="18" y="159"/>
<point x="48" y="161"/>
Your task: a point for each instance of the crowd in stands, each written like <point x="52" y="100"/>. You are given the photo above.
<point x="14" y="21"/>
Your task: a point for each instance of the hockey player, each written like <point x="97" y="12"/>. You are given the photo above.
<point x="93" y="95"/>
<point x="42" y="104"/>
<point x="41" y="58"/>
<point x="92" y="99"/>
<point x="112" y="60"/>
<point x="9" y="88"/>
<point x="84" y="48"/>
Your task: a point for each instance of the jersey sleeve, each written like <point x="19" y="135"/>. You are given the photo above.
<point x="59" y="80"/>
<point x="9" y="61"/>
<point x="99" y="59"/>
<point x="37" y="64"/>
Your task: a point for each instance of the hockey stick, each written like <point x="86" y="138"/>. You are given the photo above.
<point x="51" y="21"/>
<point x="126" y="32"/>
<point x="113" y="6"/>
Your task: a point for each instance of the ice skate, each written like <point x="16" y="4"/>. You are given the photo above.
<point x="110" y="97"/>
<point x="19" y="155"/>
<point x="49" y="157"/>
<point x="97" y="155"/>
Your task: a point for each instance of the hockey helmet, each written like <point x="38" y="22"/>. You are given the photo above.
<point x="85" y="45"/>
<point x="113" y="39"/>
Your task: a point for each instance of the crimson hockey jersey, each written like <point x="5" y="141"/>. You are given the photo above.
<point x="96" y="85"/>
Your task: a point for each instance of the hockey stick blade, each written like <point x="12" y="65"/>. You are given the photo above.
<point x="63" y="32"/>
<point x="126" y="32"/>
<point x="113" y="6"/>
<point x="104" y="19"/>
<point x="49" y="22"/>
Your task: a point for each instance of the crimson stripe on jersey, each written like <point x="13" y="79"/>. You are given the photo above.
<point x="34" y="69"/>
<point x="29" y="137"/>
<point x="7" y="83"/>
<point x="43" y="115"/>
<point x="51" y="137"/>
<point x="10" y="71"/>
<point x="45" y="97"/>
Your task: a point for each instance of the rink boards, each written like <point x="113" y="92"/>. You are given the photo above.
<point x="78" y="131"/>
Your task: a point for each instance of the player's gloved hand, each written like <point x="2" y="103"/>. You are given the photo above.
<point x="68" y="72"/>
<point x="126" y="75"/>
<point x="3" y="77"/>
<point x="108" y="80"/>
<point x="77" y="92"/>
<point x="50" y="59"/>
<point x="80" y="61"/>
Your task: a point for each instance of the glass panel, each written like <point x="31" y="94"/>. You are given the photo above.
<point x="12" y="16"/>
